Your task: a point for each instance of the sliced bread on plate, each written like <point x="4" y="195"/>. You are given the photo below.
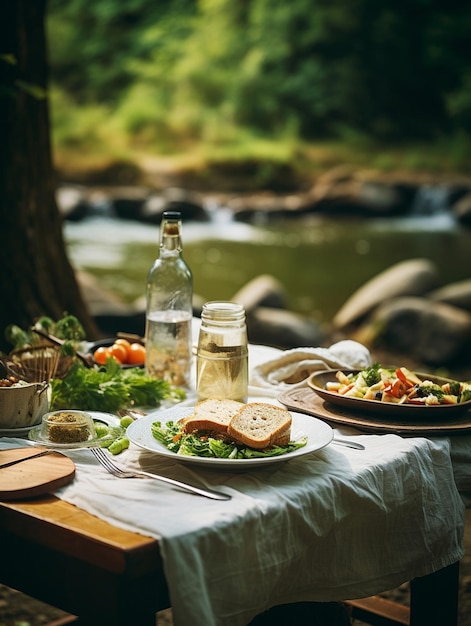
<point x="260" y="425"/>
<point x="211" y="415"/>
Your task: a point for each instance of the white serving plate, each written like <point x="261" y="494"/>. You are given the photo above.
<point x="318" y="433"/>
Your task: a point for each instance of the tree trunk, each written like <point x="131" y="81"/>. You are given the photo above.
<point x="36" y="277"/>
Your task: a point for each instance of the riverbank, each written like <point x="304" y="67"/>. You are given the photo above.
<point x="336" y="192"/>
<point x="259" y="165"/>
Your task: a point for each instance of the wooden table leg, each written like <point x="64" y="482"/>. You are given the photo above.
<point x="434" y="598"/>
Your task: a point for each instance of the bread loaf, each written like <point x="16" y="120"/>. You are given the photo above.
<point x="211" y="415"/>
<point x="260" y="425"/>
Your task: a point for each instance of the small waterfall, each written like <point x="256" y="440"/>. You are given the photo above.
<point x="431" y="200"/>
<point x="430" y="211"/>
<point x="218" y="213"/>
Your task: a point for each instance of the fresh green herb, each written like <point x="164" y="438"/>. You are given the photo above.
<point x="372" y="375"/>
<point x="16" y="336"/>
<point x="110" y="389"/>
<point x="67" y="349"/>
<point x="46" y="324"/>
<point x="171" y="436"/>
<point x="68" y="328"/>
<point x="429" y="389"/>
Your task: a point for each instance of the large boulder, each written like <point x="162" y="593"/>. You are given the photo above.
<point x="435" y="335"/>
<point x="72" y="202"/>
<point x="359" y="197"/>
<point x="127" y="202"/>
<point x="283" y="329"/>
<point x="462" y="210"/>
<point x="458" y="294"/>
<point x="188" y="203"/>
<point x="343" y="190"/>
<point x="413" y="277"/>
<point x="263" y="290"/>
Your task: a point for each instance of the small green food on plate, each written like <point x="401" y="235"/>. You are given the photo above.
<point x="398" y="385"/>
<point x="114" y="437"/>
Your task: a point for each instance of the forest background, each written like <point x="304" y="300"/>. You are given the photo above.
<point x="304" y="84"/>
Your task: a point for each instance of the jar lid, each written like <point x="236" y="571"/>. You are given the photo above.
<point x="223" y="312"/>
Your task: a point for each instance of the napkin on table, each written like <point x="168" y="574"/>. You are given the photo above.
<point x="291" y="368"/>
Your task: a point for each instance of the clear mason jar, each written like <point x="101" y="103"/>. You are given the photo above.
<point x="222" y="354"/>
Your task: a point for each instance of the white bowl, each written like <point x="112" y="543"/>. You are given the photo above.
<point x="23" y="405"/>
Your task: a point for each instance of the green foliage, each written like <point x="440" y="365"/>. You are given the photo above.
<point x="172" y="73"/>
<point x="92" y="44"/>
<point x="110" y="389"/>
<point x="67" y="328"/>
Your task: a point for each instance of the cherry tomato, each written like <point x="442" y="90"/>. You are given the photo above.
<point x="119" y="352"/>
<point x="101" y="354"/>
<point x="137" y="354"/>
<point x="125" y="344"/>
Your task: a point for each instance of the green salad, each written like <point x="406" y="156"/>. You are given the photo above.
<point x="172" y="437"/>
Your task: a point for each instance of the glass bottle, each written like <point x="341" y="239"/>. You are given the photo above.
<point x="222" y="354"/>
<point x="169" y="311"/>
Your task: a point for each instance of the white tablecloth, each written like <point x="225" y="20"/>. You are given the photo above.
<point x="332" y="525"/>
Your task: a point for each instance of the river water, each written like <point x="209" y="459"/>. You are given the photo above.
<point x="318" y="261"/>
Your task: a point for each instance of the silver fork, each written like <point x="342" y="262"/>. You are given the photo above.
<point x="112" y="468"/>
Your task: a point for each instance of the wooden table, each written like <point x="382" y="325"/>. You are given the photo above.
<point x="66" y="557"/>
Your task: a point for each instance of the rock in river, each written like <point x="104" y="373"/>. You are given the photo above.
<point x="413" y="277"/>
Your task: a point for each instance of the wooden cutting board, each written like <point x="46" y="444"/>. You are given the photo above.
<point x="33" y="477"/>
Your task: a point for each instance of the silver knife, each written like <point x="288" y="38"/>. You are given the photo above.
<point x="25" y="458"/>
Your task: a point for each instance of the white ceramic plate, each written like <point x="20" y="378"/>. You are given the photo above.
<point x="107" y="418"/>
<point x="319" y="435"/>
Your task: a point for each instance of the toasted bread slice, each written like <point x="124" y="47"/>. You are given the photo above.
<point x="211" y="415"/>
<point x="283" y="439"/>
<point x="260" y="425"/>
